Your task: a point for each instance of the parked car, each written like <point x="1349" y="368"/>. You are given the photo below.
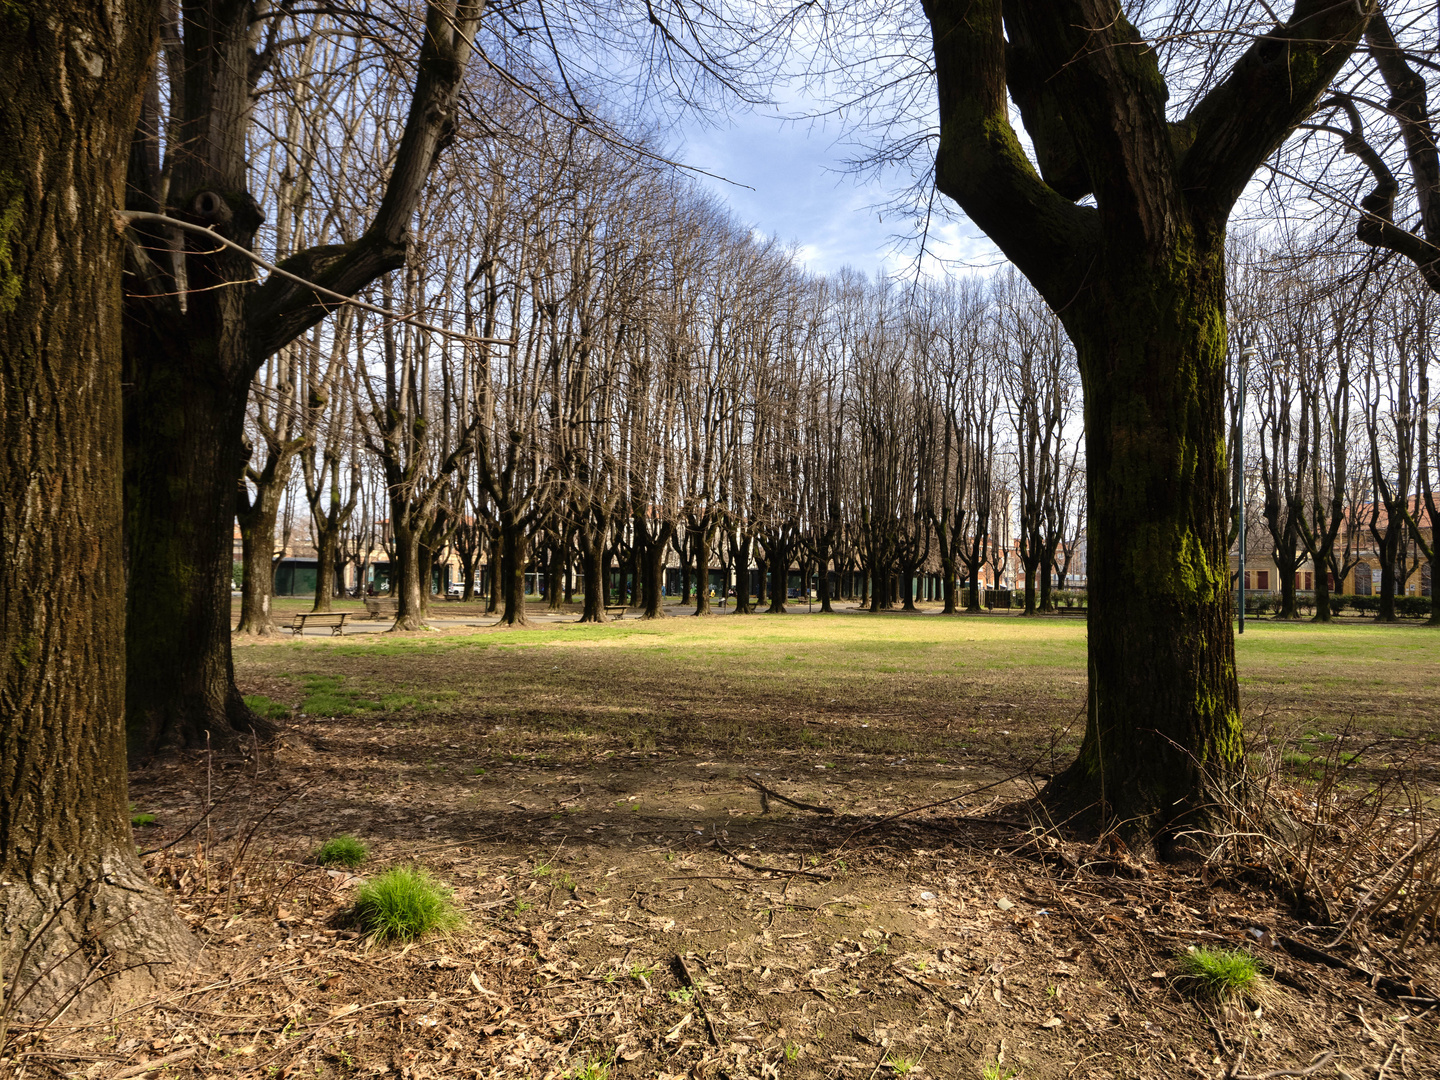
<point x="455" y="590"/>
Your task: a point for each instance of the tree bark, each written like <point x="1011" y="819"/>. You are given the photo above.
<point x="181" y="688"/>
<point x="512" y="541"/>
<point x="592" y="564"/>
<point x="257" y="551"/>
<point x="70" y="884"/>
<point x="700" y="547"/>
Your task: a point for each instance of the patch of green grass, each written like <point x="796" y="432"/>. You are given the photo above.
<point x="343" y="850"/>
<point x="899" y="1064"/>
<point x="1221" y="974"/>
<point x="590" y="1069"/>
<point x="141" y="820"/>
<point x="267" y="708"/>
<point x="995" y="1071"/>
<point x="404" y="904"/>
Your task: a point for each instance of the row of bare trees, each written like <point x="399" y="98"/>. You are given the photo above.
<point x="1342" y="457"/>
<point x="601" y="367"/>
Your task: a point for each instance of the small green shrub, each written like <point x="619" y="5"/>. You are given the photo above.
<point x="343" y="850"/>
<point x="404" y="904"/>
<point x="140" y="820"/>
<point x="1221" y="974"/>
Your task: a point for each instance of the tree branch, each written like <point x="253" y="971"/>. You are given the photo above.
<point x="283" y="308"/>
<point x="1273" y="86"/>
<point x="981" y="164"/>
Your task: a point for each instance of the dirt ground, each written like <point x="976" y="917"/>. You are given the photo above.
<point x="636" y="906"/>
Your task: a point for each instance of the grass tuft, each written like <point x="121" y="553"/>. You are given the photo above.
<point x="139" y="820"/>
<point x="404" y="904"/>
<point x="343" y="850"/>
<point x="591" y="1069"/>
<point x="1221" y="974"/>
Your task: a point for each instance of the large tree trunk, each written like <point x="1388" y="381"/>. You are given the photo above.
<point x="1163" y="737"/>
<point x="257" y="541"/>
<point x="1322" y="594"/>
<point x="822" y="577"/>
<point x="405" y="574"/>
<point x="777" y="563"/>
<point x="181" y="687"/>
<point x="947" y="569"/>
<point x="592" y="562"/>
<point x="327" y="547"/>
<point x="492" y="598"/>
<point x="1032" y="573"/>
<point x="512" y="540"/>
<point x="70" y="884"/>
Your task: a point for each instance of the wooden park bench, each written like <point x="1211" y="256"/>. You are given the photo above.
<point x="380" y="607"/>
<point x="335" y="620"/>
<point x="615" y="611"/>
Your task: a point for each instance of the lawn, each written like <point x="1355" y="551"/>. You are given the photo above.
<point x="633" y="906"/>
<point x="1001" y="690"/>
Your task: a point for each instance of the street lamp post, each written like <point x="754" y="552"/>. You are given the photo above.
<point x="1245" y="354"/>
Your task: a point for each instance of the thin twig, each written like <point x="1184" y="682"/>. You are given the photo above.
<point x="1310" y="1070"/>
<point x="699" y="998"/>
<point x="770" y="869"/>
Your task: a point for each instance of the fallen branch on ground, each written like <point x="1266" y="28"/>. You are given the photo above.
<point x="770" y="793"/>
<point x="770" y="869"/>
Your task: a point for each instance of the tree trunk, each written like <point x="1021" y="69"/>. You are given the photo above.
<point x="740" y="554"/>
<point x="327" y="545"/>
<point x="947" y="565"/>
<point x="592" y="564"/>
<point x="555" y="575"/>
<point x="181" y="686"/>
<point x="512" y="538"/>
<point x="405" y="572"/>
<point x="1163" y="737"/>
<point x="686" y="550"/>
<point x="257" y="544"/>
<point x="67" y="859"/>
<point x="1032" y="570"/>
<point x="822" y="577"/>
<point x="492" y="597"/>
<point x="700" y="548"/>
<point x="1047" y="564"/>
<point x="777" y="562"/>
<point x="907" y="588"/>
<point x="1322" y="594"/>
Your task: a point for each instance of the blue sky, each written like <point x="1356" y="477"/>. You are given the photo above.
<point x="802" y="194"/>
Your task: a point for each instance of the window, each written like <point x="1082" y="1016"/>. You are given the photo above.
<point x="1247" y="580"/>
<point x="1330" y="581"/>
<point x="1262" y="579"/>
<point x="1297" y="579"/>
<point x="1309" y="580"/>
<point x="1363" y="582"/>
